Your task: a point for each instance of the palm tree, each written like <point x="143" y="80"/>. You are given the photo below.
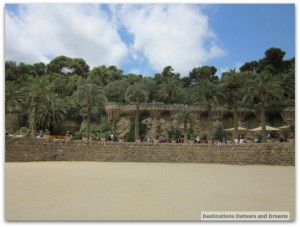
<point x="186" y="117"/>
<point x="138" y="94"/>
<point x="38" y="90"/>
<point x="265" y="88"/>
<point x="170" y="90"/>
<point x="13" y="97"/>
<point x="288" y="84"/>
<point x="207" y="93"/>
<point x="51" y="113"/>
<point x="233" y="83"/>
<point x="89" y="95"/>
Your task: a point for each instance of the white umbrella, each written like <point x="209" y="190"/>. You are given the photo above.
<point x="284" y="127"/>
<point x="268" y="128"/>
<point x="239" y="129"/>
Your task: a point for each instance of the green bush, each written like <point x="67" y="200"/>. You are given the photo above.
<point x="77" y="136"/>
<point x="97" y="130"/>
<point x="174" y="133"/>
<point x="130" y="136"/>
<point x="191" y="134"/>
<point x="220" y="134"/>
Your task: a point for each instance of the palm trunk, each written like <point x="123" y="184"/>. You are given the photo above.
<point x="235" y="119"/>
<point x="34" y="119"/>
<point x="88" y="122"/>
<point x="185" y="136"/>
<point x="209" y="121"/>
<point x="137" y="122"/>
<point x="263" y="120"/>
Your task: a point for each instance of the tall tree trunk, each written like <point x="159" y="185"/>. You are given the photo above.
<point x="263" y="119"/>
<point x="88" y="122"/>
<point x="235" y="119"/>
<point x="209" y="121"/>
<point x="185" y="136"/>
<point x="34" y="119"/>
<point x="137" y="122"/>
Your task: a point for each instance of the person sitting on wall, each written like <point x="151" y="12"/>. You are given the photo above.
<point x="257" y="139"/>
<point x="197" y="139"/>
<point x="182" y="138"/>
<point x="41" y="134"/>
<point x="224" y="140"/>
<point x="110" y="137"/>
<point x="149" y="140"/>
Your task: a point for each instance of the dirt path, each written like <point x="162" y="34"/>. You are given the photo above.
<point x="142" y="191"/>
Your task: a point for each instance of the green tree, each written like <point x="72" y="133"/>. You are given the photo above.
<point x="79" y="67"/>
<point x="11" y="70"/>
<point x="168" y="73"/>
<point x="138" y="94"/>
<point x="115" y="90"/>
<point x="89" y="95"/>
<point x="201" y="73"/>
<point x="186" y="96"/>
<point x="40" y="68"/>
<point x="207" y="93"/>
<point x="249" y="67"/>
<point x="59" y="83"/>
<point x="38" y="90"/>
<point x="186" y="118"/>
<point x="273" y="61"/>
<point x="264" y="88"/>
<point x="71" y="84"/>
<point x="233" y="84"/>
<point x="132" y="78"/>
<point x="151" y="86"/>
<point x="100" y="75"/>
<point x="170" y="90"/>
<point x="60" y="65"/>
<point x="115" y="73"/>
<point x="51" y="113"/>
<point x="13" y="97"/>
<point x="288" y="83"/>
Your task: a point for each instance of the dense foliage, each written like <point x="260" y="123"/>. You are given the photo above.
<point x="66" y="88"/>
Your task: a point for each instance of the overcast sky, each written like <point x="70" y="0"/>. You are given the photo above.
<point x="144" y="38"/>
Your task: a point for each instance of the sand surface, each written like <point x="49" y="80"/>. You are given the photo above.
<point x="142" y="191"/>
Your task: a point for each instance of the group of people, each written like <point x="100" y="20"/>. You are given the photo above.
<point x="163" y="139"/>
<point x="240" y="139"/>
<point x="180" y="139"/>
<point x="275" y="137"/>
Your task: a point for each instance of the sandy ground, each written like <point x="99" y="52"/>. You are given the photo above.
<point x="142" y="191"/>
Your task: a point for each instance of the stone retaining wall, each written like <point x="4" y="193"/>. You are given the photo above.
<point x="32" y="149"/>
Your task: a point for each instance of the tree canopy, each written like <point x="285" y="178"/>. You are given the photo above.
<point x="45" y="92"/>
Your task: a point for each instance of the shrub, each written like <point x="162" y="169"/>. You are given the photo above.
<point x="130" y="136"/>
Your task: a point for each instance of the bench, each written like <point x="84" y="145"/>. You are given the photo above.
<point x="58" y="137"/>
